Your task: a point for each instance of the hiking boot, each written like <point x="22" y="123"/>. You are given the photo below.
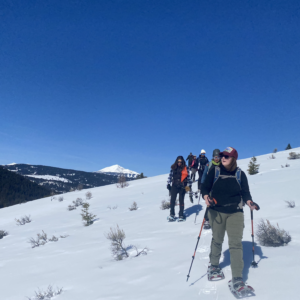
<point x="214" y="273"/>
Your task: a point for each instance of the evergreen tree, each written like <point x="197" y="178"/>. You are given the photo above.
<point x="253" y="166"/>
<point x="140" y="176"/>
<point x="87" y="217"/>
<point x="288" y="147"/>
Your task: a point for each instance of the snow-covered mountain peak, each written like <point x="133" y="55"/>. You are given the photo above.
<point x="117" y="169"/>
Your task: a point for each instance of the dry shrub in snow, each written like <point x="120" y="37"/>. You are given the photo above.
<point x="79" y="187"/>
<point x="88" y="195"/>
<point x="114" y="207"/>
<point x="290" y="204"/>
<point x="118" y="248"/>
<point x="42" y="239"/>
<point x="270" y="235"/>
<point x="61" y="199"/>
<point x="294" y="155"/>
<point x="3" y="233"/>
<point x="122" y="182"/>
<point x="46" y="295"/>
<point x="133" y="206"/>
<point x="23" y="220"/>
<point x="165" y="205"/>
<point x="272" y="157"/>
<point x="76" y="203"/>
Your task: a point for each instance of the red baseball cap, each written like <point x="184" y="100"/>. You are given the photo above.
<point x="229" y="151"/>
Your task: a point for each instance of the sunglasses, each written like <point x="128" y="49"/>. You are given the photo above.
<point x="217" y="157"/>
<point x="179" y="161"/>
<point x="225" y="156"/>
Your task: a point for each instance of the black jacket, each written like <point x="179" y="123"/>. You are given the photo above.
<point x="226" y="191"/>
<point x="202" y="161"/>
<point x="190" y="158"/>
<point x="195" y="166"/>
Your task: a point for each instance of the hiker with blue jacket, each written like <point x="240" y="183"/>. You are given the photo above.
<point x="228" y="186"/>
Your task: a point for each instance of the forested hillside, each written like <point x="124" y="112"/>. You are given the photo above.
<point x="15" y="189"/>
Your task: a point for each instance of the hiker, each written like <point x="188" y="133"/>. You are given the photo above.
<point x="230" y="190"/>
<point x="209" y="166"/>
<point x="194" y="168"/>
<point x="190" y="159"/>
<point x="181" y="182"/>
<point x="202" y="161"/>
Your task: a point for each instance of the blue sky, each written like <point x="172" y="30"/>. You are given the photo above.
<point x="88" y="84"/>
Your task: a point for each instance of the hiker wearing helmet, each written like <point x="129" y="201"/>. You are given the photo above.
<point x="228" y="186"/>
<point x="179" y="182"/>
<point x="190" y="159"/>
<point x="202" y="161"/>
<point x="194" y="168"/>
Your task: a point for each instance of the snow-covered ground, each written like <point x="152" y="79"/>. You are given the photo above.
<point x="49" y="177"/>
<point x="82" y="263"/>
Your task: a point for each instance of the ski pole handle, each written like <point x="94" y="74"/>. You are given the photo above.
<point x="255" y="204"/>
<point x="212" y="201"/>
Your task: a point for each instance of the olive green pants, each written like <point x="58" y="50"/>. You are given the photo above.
<point x="234" y="225"/>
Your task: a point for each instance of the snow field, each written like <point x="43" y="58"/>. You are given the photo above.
<point x="82" y="263"/>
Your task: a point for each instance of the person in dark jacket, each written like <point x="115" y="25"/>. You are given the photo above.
<point x="179" y="182"/>
<point x="227" y="214"/>
<point x="202" y="161"/>
<point x="190" y="159"/>
<point x="194" y="168"/>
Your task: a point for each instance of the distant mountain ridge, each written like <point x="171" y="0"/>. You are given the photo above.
<point x="117" y="170"/>
<point x="62" y="180"/>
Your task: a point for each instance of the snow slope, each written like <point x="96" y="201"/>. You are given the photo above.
<point x="49" y="177"/>
<point x="82" y="263"/>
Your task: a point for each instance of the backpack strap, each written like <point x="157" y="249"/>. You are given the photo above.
<point x="217" y="174"/>
<point x="238" y="176"/>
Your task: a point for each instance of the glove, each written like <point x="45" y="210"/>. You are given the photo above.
<point x="187" y="189"/>
<point x="169" y="187"/>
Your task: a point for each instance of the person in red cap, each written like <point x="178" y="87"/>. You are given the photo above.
<point x="228" y="186"/>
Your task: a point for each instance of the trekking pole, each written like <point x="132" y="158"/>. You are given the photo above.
<point x="214" y="202"/>
<point x="198" y="206"/>
<point x="254" y="263"/>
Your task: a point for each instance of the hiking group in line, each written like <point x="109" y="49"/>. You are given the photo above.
<point x="225" y="190"/>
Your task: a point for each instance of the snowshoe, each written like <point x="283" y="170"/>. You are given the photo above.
<point x="171" y="218"/>
<point x="215" y="273"/>
<point x="206" y="225"/>
<point x="181" y="219"/>
<point x="239" y="289"/>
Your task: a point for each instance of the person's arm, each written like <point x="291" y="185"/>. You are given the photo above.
<point x="189" y="180"/>
<point x="207" y="185"/>
<point x="170" y="178"/>
<point x="204" y="174"/>
<point x="245" y="192"/>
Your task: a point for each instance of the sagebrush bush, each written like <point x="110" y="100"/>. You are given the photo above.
<point x="23" y="220"/>
<point x="270" y="235"/>
<point x="88" y="195"/>
<point x="78" y="202"/>
<point x="42" y="239"/>
<point x="118" y="248"/>
<point x="133" y="206"/>
<point x="294" y="155"/>
<point x="46" y="295"/>
<point x="61" y="199"/>
<point x="3" y="233"/>
<point x="122" y="181"/>
<point x="165" y="205"/>
<point x="290" y="204"/>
